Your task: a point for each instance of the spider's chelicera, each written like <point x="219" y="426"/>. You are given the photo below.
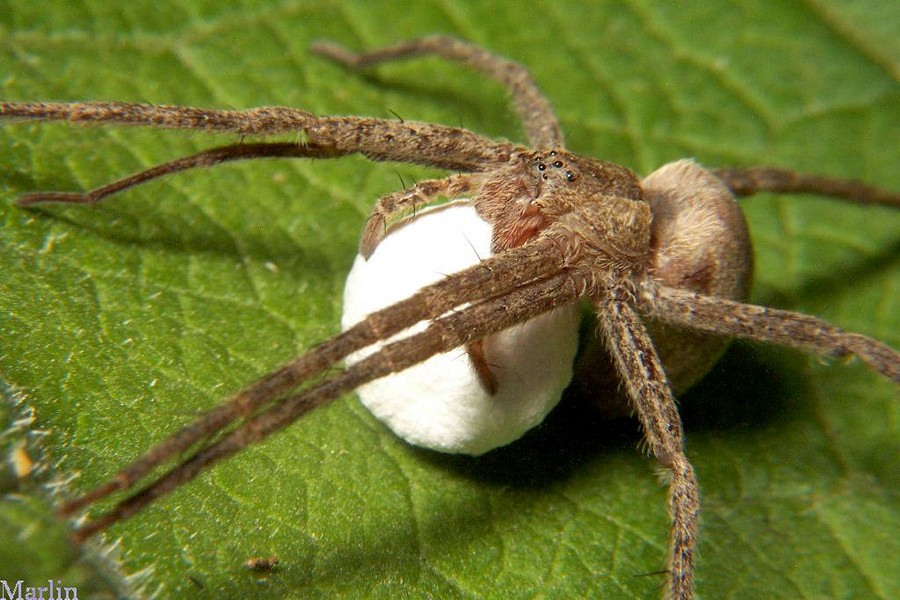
<point x="665" y="261"/>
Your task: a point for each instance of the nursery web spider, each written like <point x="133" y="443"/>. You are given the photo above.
<point x="668" y="254"/>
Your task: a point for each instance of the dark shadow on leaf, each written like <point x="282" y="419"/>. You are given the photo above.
<point x="573" y="434"/>
<point x="751" y="387"/>
<point x="818" y="289"/>
<point x="748" y="389"/>
<point x="159" y="233"/>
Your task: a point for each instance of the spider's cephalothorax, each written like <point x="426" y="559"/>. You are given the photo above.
<point x="521" y="199"/>
<point x="665" y="262"/>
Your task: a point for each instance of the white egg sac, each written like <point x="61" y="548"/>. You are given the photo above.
<point x="441" y="403"/>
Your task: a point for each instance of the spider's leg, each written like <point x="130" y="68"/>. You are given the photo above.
<point x="764" y="324"/>
<point x="207" y="158"/>
<point x="424" y="192"/>
<point x="479" y="361"/>
<point x="493" y="277"/>
<point x="377" y="139"/>
<point x="645" y="381"/>
<point x="445" y="333"/>
<point x="541" y="126"/>
<point x="746" y="181"/>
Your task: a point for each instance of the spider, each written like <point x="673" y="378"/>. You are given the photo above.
<point x="664" y="261"/>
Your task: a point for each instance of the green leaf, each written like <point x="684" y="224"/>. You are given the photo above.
<point x="120" y="322"/>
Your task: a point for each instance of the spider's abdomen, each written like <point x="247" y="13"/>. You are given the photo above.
<point x="700" y="243"/>
<point x="699" y="237"/>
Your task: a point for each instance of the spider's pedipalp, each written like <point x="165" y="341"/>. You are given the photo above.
<point x="423" y="192"/>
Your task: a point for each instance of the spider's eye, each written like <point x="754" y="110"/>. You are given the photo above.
<point x="570" y="176"/>
<point x="542" y="167"/>
<point x="557" y="164"/>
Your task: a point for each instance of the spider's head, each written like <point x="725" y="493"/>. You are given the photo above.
<point x="555" y="165"/>
<point x="522" y="198"/>
<point x="578" y="178"/>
